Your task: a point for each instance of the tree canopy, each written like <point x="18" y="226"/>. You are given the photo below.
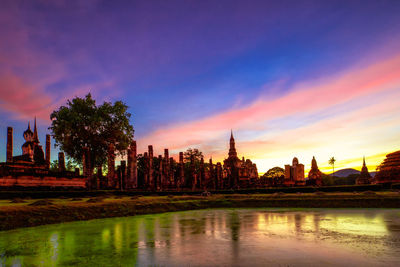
<point x="275" y="172"/>
<point x="82" y="123"/>
<point x="198" y="155"/>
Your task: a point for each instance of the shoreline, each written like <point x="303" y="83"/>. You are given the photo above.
<point x="59" y="210"/>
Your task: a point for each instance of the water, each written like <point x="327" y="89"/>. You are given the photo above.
<point x="216" y="237"/>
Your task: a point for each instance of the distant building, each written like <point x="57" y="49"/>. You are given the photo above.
<point x="314" y="175"/>
<point x="365" y="177"/>
<point x="239" y="173"/>
<point x="294" y="175"/>
<point x="389" y="170"/>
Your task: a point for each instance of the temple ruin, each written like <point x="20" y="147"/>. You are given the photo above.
<point x="389" y="169"/>
<point x="32" y="167"/>
<point x="294" y="174"/>
<point x="314" y="175"/>
<point x="365" y="177"/>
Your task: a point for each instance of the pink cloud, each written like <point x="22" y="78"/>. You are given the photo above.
<point x="23" y="99"/>
<point x="307" y="97"/>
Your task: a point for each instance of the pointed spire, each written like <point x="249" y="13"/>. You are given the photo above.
<point x="35" y="133"/>
<point x="29" y="125"/>
<point x="364" y="161"/>
<point x="232" y="149"/>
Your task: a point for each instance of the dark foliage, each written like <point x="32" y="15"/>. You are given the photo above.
<point x="81" y="123"/>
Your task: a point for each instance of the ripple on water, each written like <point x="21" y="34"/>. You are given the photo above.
<point x="216" y="237"/>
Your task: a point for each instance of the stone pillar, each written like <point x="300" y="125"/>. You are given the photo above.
<point x="87" y="168"/>
<point x="9" y="157"/>
<point x="132" y="166"/>
<point x="171" y="171"/>
<point x="181" y="176"/>
<point x="123" y="175"/>
<point x="218" y="176"/>
<point x="61" y="161"/>
<point x="151" y="175"/>
<point x="161" y="174"/>
<point x="118" y="180"/>
<point x="193" y="175"/>
<point x="166" y="177"/>
<point x="100" y="179"/>
<point x="201" y="182"/>
<point x="211" y="175"/>
<point x="146" y="170"/>
<point x="111" y="166"/>
<point x="48" y="148"/>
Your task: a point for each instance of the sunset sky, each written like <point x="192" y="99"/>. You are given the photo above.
<point x="290" y="78"/>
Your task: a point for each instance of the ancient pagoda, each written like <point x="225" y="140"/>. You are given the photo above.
<point x="315" y="175"/>
<point x="389" y="169"/>
<point x="365" y="177"/>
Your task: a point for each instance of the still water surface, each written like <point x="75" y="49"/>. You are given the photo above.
<point x="216" y="237"/>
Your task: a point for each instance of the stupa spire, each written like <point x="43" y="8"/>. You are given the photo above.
<point x="232" y="149"/>
<point x="35" y="133"/>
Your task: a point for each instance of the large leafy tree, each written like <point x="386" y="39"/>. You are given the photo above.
<point x="81" y="123"/>
<point x="275" y="172"/>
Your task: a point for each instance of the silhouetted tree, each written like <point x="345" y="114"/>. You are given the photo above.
<point x="198" y="155"/>
<point x="274" y="173"/>
<point x="81" y="123"/>
<point x="332" y="161"/>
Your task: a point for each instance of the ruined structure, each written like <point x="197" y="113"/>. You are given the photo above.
<point x="365" y="177"/>
<point x="389" y="169"/>
<point x="314" y="175"/>
<point x="32" y="167"/>
<point x="294" y="175"/>
<point x="132" y="181"/>
<point x="238" y="173"/>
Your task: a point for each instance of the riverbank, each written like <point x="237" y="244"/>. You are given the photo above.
<point x="18" y="213"/>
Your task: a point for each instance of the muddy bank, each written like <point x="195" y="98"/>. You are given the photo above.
<point x="26" y="213"/>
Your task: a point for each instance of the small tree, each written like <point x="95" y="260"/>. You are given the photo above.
<point x="198" y="155"/>
<point x="332" y="161"/>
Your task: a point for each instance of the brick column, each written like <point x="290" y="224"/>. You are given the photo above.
<point x="111" y="166"/>
<point x="48" y="148"/>
<point x="161" y="174"/>
<point x="193" y="175"/>
<point x="218" y="176"/>
<point x="166" y="180"/>
<point x="146" y="171"/>
<point x="171" y="172"/>
<point x="61" y="161"/>
<point x="201" y="182"/>
<point x="181" y="176"/>
<point x="123" y="175"/>
<point x="9" y="157"/>
<point x="151" y="175"/>
<point x="100" y="179"/>
<point x="211" y="175"/>
<point x="87" y="168"/>
<point x="132" y="166"/>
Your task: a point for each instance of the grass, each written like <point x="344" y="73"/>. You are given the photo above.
<point x="15" y="215"/>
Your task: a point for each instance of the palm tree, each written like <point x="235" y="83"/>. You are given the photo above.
<point x="332" y="162"/>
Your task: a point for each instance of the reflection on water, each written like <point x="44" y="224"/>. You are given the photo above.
<point x="219" y="237"/>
